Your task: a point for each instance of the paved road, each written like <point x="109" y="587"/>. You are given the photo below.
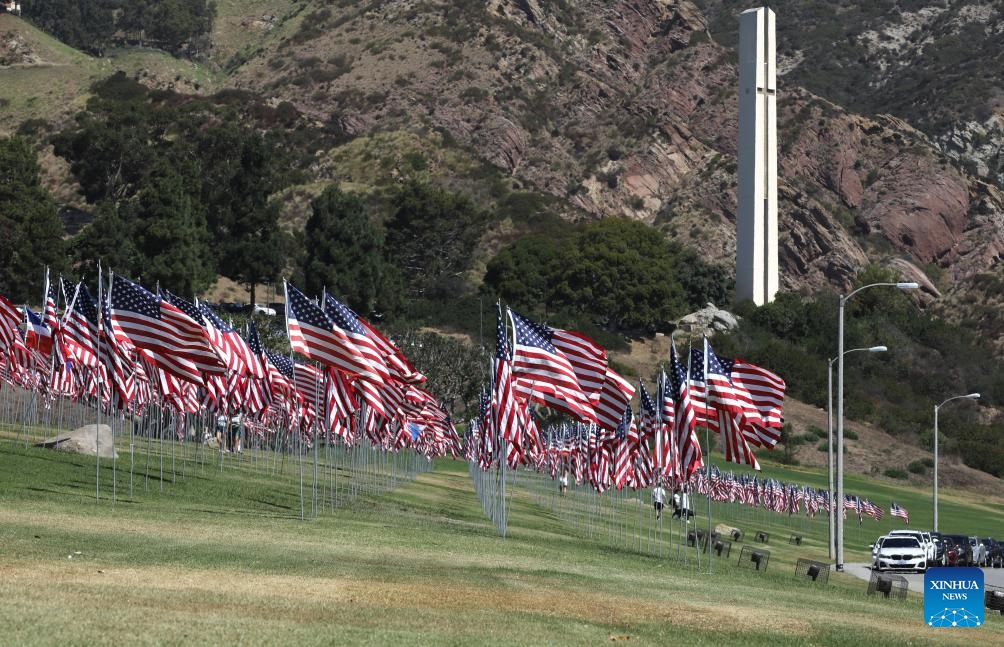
<point x="993" y="576"/>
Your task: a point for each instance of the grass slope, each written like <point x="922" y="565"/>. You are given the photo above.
<point x="220" y="557"/>
<point x="58" y="86"/>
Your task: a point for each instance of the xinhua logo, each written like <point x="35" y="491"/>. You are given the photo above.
<point x="953" y="597"/>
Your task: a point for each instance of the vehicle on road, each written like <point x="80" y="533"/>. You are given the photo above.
<point x="965" y="556"/>
<point x="260" y="309"/>
<point x="901" y="553"/>
<point x="953" y="552"/>
<point x="979" y="557"/>
<point x="925" y="540"/>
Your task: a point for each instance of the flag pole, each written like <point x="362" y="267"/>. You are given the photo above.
<point x="97" y="377"/>
<point x="707" y="441"/>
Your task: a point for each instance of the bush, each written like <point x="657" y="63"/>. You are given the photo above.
<point x="813" y="430"/>
<point x="895" y="473"/>
<point x="917" y="467"/>
<point x="927" y="462"/>
<point x="850" y="435"/>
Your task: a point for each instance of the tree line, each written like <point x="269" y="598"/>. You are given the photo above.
<point x="177" y="26"/>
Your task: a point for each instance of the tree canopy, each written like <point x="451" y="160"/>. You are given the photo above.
<point x="344" y="254"/>
<point x="619" y="273"/>
<point x="32" y="232"/>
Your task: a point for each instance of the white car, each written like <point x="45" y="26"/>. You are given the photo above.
<point x="259" y="309"/>
<point x="923" y="537"/>
<point x="900" y="553"/>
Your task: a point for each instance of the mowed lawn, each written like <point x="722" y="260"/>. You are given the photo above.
<point x="221" y="557"/>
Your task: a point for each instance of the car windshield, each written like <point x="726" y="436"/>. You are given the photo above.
<point x="900" y="542"/>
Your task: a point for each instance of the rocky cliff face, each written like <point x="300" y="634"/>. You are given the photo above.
<point x="628" y="109"/>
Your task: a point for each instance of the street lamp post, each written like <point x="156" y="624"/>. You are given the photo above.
<point x="840" y="411"/>
<point x="970" y="396"/>
<point x="829" y="437"/>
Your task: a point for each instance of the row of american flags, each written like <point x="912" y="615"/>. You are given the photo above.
<point x="607" y="443"/>
<point x="133" y="347"/>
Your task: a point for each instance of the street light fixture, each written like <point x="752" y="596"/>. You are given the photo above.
<point x="829" y="436"/>
<point x="840" y="410"/>
<point x="970" y="396"/>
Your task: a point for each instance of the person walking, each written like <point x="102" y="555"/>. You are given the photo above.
<point x="658" y="499"/>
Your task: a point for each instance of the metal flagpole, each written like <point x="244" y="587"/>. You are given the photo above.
<point x="707" y="441"/>
<point x="97" y="377"/>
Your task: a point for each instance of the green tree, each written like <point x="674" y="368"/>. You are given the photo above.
<point x="108" y="239"/>
<point x="625" y="272"/>
<point x="344" y="252"/>
<point x="84" y="24"/>
<point x="32" y="232"/>
<point x="239" y="173"/>
<point x="170" y="234"/>
<point x="430" y="237"/>
<point x="523" y="273"/>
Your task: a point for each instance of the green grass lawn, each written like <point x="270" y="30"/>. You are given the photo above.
<point x="222" y="557"/>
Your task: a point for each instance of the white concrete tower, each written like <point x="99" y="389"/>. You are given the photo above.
<point x="756" y="215"/>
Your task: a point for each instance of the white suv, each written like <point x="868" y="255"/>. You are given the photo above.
<point x="901" y="553"/>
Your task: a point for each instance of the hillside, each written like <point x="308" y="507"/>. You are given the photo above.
<point x="596" y="109"/>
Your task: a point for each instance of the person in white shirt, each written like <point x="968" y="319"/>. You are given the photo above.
<point x="563" y="483"/>
<point x="658" y="499"/>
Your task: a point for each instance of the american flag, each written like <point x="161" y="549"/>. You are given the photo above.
<point x="648" y="415"/>
<point x="539" y="367"/>
<point x="762" y="394"/>
<point x="172" y="338"/>
<point x="669" y="461"/>
<point x="507" y="407"/>
<point x="588" y="359"/>
<point x="256" y="365"/>
<point x="79" y="329"/>
<point x="869" y="508"/>
<point x="691" y="457"/>
<point x="625" y="448"/>
<point x="230" y="346"/>
<point x="766" y="389"/>
<point x="50" y="304"/>
<point x="736" y="448"/>
<point x="400" y="368"/>
<point x="38" y="336"/>
<point x="897" y="510"/>
<point x="719" y="392"/>
<point x="373" y="346"/>
<point x="118" y="363"/>
<point x="616" y="394"/>
<point x="315" y="334"/>
<point x="9" y="320"/>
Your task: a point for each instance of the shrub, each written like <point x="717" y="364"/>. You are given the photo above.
<point x="895" y="473"/>
<point x="928" y="462"/>
<point x="850" y="435"/>
<point x="917" y="467"/>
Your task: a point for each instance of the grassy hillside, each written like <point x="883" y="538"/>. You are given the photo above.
<point x="56" y="85"/>
<point x="221" y="557"/>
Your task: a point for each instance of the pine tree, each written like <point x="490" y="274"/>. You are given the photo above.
<point x="344" y="253"/>
<point x="32" y="232"/>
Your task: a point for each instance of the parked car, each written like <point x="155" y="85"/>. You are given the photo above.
<point x="260" y="309"/>
<point x="995" y="552"/>
<point x="953" y="552"/>
<point x="965" y="557"/>
<point x="875" y="548"/>
<point x="940" y="559"/>
<point x="900" y="553"/>
<point x="923" y="537"/>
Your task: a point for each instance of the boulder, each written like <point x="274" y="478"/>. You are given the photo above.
<point x="708" y="321"/>
<point x="89" y="440"/>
